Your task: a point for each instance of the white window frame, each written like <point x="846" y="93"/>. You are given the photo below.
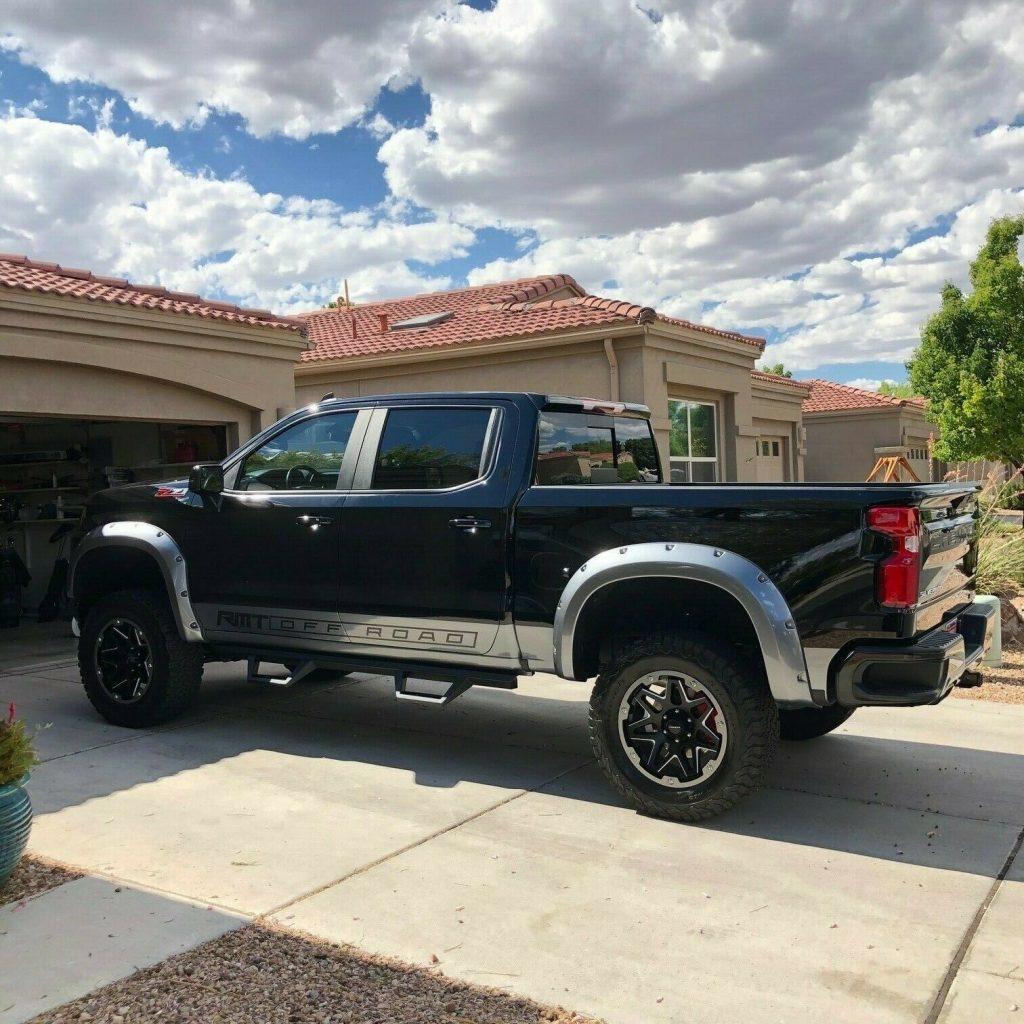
<point x="689" y="459"/>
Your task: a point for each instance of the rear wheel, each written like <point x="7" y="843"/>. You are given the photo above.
<point x="682" y="728"/>
<point x="136" y="669"/>
<point x="810" y="723"/>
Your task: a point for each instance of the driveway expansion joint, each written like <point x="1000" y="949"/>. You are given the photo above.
<point x="266" y="916"/>
<point x="972" y="930"/>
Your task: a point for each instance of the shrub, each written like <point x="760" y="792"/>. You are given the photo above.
<point x="17" y="755"/>
<point x="1001" y="545"/>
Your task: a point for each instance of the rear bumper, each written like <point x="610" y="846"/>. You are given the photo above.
<point x="923" y="672"/>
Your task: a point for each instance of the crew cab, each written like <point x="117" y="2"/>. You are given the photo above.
<point x="454" y="540"/>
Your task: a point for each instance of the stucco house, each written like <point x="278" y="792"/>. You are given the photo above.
<point x="848" y="428"/>
<point x="102" y="380"/>
<point x="715" y="416"/>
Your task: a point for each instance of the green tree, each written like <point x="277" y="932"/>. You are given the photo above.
<point x="970" y="363"/>
<point x="893" y="390"/>
<point x="778" y="369"/>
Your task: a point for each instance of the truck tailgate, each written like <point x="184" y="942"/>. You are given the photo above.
<point x="948" y="553"/>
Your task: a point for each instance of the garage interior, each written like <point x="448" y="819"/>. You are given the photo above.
<point x="48" y="466"/>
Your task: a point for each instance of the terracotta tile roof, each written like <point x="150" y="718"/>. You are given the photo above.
<point x="774" y="378"/>
<point x="53" y="279"/>
<point x="492" y="312"/>
<point x="828" y="396"/>
<point x="749" y="339"/>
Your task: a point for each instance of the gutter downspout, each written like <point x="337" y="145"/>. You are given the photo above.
<point x="613" y="369"/>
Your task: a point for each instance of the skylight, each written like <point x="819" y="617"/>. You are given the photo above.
<point x="424" y="320"/>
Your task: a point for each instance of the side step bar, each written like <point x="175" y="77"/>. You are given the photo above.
<point x="255" y="676"/>
<point x="403" y="691"/>
<point x="409" y="677"/>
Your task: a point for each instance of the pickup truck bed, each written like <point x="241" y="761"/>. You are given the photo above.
<point x="457" y="540"/>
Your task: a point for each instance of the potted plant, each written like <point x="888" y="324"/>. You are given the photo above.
<point x="17" y="756"/>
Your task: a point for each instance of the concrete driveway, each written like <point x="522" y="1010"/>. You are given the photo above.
<point x="874" y="880"/>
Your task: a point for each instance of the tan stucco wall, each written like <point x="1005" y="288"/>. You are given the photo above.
<point x="558" y="368"/>
<point x="67" y="357"/>
<point x="841" y="446"/>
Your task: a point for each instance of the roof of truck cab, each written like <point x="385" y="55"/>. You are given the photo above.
<point x="539" y="401"/>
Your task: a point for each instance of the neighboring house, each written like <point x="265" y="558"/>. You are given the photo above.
<point x="715" y="417"/>
<point x="102" y="380"/>
<point x="848" y="429"/>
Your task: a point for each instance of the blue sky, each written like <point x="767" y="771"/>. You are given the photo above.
<point x="815" y="184"/>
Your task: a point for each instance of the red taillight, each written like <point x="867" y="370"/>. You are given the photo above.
<point x="899" y="575"/>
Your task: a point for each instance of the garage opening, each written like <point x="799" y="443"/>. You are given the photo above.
<point x="48" y="467"/>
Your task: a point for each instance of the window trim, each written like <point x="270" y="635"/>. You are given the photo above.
<point x="689" y="459"/>
<point x="362" y="478"/>
<point x="233" y="465"/>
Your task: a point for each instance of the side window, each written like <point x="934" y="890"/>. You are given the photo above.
<point x="430" y="449"/>
<point x="305" y="457"/>
<point x="577" y="448"/>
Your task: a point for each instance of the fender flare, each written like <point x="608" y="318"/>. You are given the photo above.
<point x="764" y="604"/>
<point x="163" y="549"/>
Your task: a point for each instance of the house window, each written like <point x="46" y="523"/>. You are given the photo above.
<point x="693" y="442"/>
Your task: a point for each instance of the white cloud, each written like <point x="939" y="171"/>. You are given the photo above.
<point x="295" y="69"/>
<point x="868" y="383"/>
<point x="115" y="205"/>
<point x="731" y="160"/>
<point x="701" y="160"/>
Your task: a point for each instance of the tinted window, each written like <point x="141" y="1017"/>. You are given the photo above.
<point x="429" y="449"/>
<point x="304" y="457"/>
<point x="576" y="448"/>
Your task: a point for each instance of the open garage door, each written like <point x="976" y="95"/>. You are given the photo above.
<point x="49" y="466"/>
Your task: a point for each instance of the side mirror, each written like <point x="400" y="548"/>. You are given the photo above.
<point x="206" y="478"/>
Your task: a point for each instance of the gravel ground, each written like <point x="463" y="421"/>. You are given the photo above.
<point x="264" y="975"/>
<point x="1004" y="684"/>
<point x="34" y="875"/>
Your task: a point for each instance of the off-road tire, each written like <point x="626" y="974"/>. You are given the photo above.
<point x="177" y="665"/>
<point x="810" y="723"/>
<point x="743" y="695"/>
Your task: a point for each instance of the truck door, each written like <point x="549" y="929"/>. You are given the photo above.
<point x="269" y="543"/>
<point x="424" y="530"/>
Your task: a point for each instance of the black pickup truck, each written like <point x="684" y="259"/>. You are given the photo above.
<point x="453" y="540"/>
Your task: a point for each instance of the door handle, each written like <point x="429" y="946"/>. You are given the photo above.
<point x="469" y="523"/>
<point x="314" y="522"/>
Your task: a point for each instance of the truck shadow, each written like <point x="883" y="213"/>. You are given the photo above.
<point x="349" y="742"/>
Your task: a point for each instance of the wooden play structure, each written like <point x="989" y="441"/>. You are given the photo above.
<point x="892" y="469"/>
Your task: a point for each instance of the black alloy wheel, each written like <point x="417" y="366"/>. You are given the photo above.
<point x="123" y="660"/>
<point x="672" y="729"/>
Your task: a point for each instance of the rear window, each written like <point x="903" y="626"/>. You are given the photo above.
<point x="578" y="448"/>
<point x="431" y="449"/>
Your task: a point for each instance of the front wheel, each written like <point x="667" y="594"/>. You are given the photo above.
<point x="682" y="728"/>
<point x="136" y="669"/>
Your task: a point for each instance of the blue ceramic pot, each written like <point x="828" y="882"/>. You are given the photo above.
<point x="15" y="825"/>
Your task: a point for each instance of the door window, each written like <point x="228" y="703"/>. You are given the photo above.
<point x="693" y="441"/>
<point x="305" y="457"/>
<point x="574" y="448"/>
<point x="430" y="449"/>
